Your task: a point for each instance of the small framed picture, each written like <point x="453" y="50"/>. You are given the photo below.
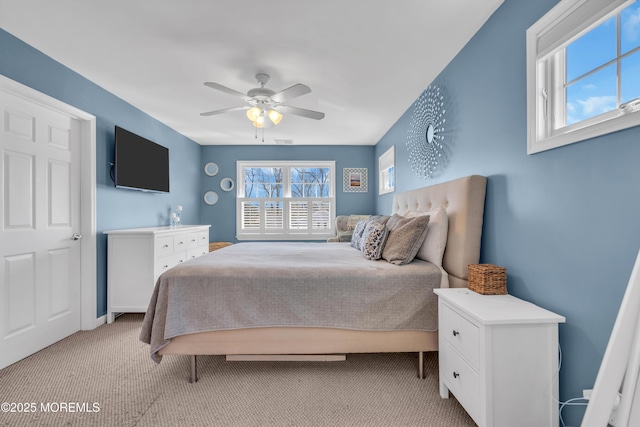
<point x="355" y="180"/>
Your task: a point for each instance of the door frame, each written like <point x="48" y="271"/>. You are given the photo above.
<point x="88" y="243"/>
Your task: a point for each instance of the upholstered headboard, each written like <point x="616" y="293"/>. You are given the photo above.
<point x="463" y="200"/>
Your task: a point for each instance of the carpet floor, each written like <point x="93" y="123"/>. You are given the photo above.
<point x="105" y="377"/>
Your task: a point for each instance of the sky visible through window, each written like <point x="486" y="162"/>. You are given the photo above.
<point x="591" y="67"/>
<point x="268" y="182"/>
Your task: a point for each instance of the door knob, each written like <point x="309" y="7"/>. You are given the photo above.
<point x="76" y="236"/>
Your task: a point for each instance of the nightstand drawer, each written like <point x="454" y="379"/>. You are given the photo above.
<point x="461" y="334"/>
<point x="461" y="379"/>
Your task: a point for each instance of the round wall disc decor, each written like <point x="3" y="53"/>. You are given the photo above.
<point x="211" y="197"/>
<point x="425" y="140"/>
<point x="226" y="184"/>
<point x="211" y="169"/>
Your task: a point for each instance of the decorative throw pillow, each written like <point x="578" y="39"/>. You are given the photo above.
<point x="380" y="219"/>
<point x="356" y="237"/>
<point x="404" y="241"/>
<point x="373" y="240"/>
<point x="435" y="242"/>
<point x="396" y="221"/>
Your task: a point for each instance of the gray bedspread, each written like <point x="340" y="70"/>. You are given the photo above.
<point x="261" y="284"/>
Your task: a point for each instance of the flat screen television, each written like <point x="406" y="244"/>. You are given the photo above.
<point x="140" y="164"/>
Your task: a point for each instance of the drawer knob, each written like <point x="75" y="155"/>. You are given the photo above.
<point x="455" y="333"/>
<point x="165" y="246"/>
<point x="455" y="374"/>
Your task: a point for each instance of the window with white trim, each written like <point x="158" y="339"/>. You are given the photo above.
<point x="285" y="200"/>
<point x="583" y="72"/>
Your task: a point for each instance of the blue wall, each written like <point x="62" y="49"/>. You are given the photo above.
<point x="222" y="215"/>
<point x="563" y="222"/>
<point x="115" y="208"/>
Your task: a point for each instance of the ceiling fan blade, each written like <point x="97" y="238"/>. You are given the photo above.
<point x="291" y="92"/>
<point x="316" y="115"/>
<point x="225" y="110"/>
<point x="227" y="90"/>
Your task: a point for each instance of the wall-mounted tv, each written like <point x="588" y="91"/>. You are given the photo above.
<point x="140" y="164"/>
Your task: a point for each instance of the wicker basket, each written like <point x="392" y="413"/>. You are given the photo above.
<point x="487" y="279"/>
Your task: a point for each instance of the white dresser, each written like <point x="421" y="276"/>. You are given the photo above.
<point x="137" y="257"/>
<point x="498" y="355"/>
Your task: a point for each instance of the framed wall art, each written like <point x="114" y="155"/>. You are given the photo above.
<point x="355" y="180"/>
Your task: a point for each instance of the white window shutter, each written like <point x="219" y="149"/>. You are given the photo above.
<point x="250" y="215"/>
<point x="299" y="215"/>
<point x="321" y="215"/>
<point x="274" y="218"/>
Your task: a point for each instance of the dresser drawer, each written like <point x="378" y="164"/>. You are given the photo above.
<point x="203" y="238"/>
<point x="461" y="334"/>
<point x="163" y="246"/>
<point x="180" y="242"/>
<point x="461" y="379"/>
<point x="165" y="263"/>
<point x="197" y="252"/>
<point x="192" y="241"/>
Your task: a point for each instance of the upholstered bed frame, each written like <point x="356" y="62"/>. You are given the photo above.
<point x="463" y="200"/>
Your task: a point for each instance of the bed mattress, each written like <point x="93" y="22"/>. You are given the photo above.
<point x="293" y="284"/>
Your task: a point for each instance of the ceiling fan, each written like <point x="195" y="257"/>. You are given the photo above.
<point x="265" y="105"/>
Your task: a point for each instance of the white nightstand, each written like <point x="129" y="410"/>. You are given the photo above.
<point x="499" y="357"/>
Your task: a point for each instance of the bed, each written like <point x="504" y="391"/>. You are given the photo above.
<point x="294" y="299"/>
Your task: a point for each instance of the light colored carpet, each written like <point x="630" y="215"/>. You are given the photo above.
<point x="110" y="367"/>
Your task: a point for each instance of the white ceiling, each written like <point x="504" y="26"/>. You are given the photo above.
<point x="366" y="61"/>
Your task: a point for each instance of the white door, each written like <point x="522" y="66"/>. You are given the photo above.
<point x="39" y="214"/>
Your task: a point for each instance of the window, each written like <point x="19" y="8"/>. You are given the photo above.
<point x="285" y="200"/>
<point x="583" y="72"/>
<point x="386" y="166"/>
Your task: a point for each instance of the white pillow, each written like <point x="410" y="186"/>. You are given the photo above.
<point x="432" y="249"/>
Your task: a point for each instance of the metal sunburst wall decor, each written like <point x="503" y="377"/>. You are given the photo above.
<point x="425" y="140"/>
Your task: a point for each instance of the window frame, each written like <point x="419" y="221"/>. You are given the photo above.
<point x="386" y="171"/>
<point x="546" y="43"/>
<point x="287" y="232"/>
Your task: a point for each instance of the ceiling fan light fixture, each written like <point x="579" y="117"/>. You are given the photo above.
<point x="259" y="122"/>
<point x="274" y="116"/>
<point x="253" y="113"/>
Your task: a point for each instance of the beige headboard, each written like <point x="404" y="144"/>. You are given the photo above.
<point x="463" y="200"/>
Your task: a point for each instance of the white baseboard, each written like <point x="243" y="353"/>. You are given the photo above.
<point x="100" y="321"/>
